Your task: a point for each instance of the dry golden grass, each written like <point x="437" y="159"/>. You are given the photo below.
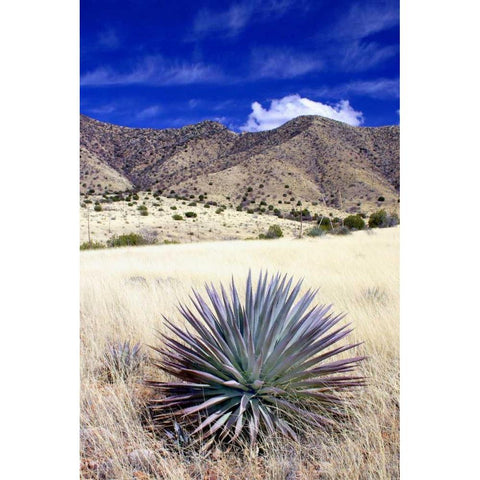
<point x="124" y="293"/>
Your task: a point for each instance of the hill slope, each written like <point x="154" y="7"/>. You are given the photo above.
<point x="310" y="158"/>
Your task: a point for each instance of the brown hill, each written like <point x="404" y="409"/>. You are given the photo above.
<point x="309" y="159"/>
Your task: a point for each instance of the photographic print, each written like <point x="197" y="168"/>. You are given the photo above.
<point x="239" y="239"/>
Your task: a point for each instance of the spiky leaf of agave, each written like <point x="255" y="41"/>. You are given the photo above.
<point x="257" y="366"/>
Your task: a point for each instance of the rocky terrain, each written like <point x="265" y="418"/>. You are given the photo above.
<point x="309" y="159"/>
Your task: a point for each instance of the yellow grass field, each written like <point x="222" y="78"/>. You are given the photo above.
<point x="125" y="292"/>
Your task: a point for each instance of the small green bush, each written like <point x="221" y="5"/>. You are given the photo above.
<point x="98" y="208"/>
<point x="274" y="231"/>
<point x="177" y="217"/>
<point x="91" y="245"/>
<point x="340" y="231"/>
<point x="355" y="222"/>
<point x="315" y="232"/>
<point x="142" y="207"/>
<point x="382" y="219"/>
<point x="144" y="213"/>
<point x="127" y="240"/>
<point x="173" y="207"/>
<point x="381" y="199"/>
<point x="190" y="214"/>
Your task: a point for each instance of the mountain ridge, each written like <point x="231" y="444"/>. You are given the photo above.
<point x="310" y="158"/>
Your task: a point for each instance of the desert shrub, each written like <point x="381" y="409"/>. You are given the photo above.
<point x="274" y="231"/>
<point x="192" y="204"/>
<point x="239" y="208"/>
<point x="177" y="217"/>
<point x="252" y="370"/>
<point x="219" y="210"/>
<point x="382" y="219"/>
<point x="190" y="214"/>
<point x="135" y="196"/>
<point x="126" y="240"/>
<point x="173" y="207"/>
<point x="91" y="245"/>
<point x="122" y="360"/>
<point x="249" y="189"/>
<point x="144" y="213"/>
<point x="98" y="208"/>
<point x="340" y="231"/>
<point x="354" y="222"/>
<point x="270" y="207"/>
<point x="315" y="232"/>
<point x="381" y="199"/>
<point x="206" y="205"/>
<point x="142" y="207"/>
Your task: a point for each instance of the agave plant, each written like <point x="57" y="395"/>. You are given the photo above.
<point x="262" y="366"/>
<point x="122" y="359"/>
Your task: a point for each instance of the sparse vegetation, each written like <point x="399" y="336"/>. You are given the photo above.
<point x="177" y="217"/>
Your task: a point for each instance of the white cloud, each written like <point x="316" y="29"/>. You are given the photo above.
<point x="267" y="63"/>
<point x="292" y="106"/>
<point x="153" y="70"/>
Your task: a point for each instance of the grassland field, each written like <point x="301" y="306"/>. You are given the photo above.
<point x="125" y="292"/>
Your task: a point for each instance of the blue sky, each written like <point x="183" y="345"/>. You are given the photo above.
<point x="249" y="64"/>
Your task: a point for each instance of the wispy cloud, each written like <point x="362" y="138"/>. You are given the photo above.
<point x="232" y="20"/>
<point x="108" y="39"/>
<point x="291" y="106"/>
<point x="268" y="63"/>
<point x="359" y="56"/>
<point x="348" y="43"/>
<point x="149" y="112"/>
<point x="153" y="70"/>
<point x="378" y="88"/>
<point x="365" y="19"/>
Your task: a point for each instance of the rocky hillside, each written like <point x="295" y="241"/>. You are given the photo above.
<point x="310" y="159"/>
